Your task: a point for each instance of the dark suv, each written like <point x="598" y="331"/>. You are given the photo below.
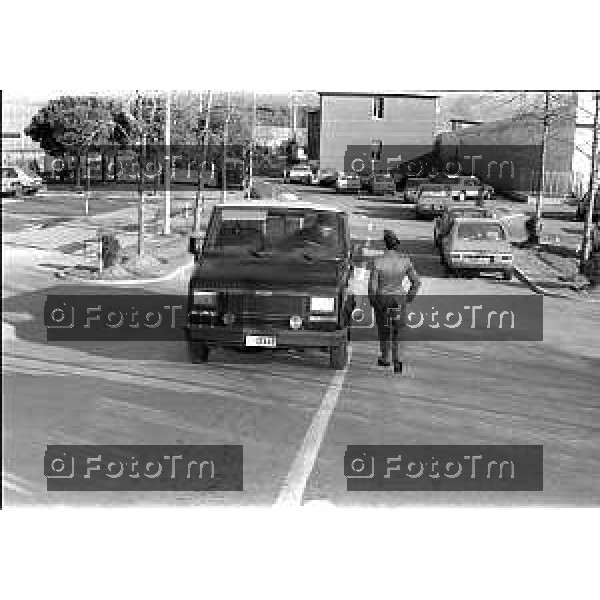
<point x="271" y="274"/>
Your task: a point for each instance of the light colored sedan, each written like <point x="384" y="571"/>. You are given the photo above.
<point x="477" y="245"/>
<point x="381" y="183"/>
<point x="300" y="174"/>
<point x="347" y="183"/>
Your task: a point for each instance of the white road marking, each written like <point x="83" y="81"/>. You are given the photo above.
<point x="296" y="480"/>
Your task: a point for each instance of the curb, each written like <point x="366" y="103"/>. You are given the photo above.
<point x="538" y="289"/>
<point x="128" y="282"/>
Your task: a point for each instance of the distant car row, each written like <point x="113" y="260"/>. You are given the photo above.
<point x="16" y="182"/>
<point x="410" y="189"/>
<point x="376" y="183"/>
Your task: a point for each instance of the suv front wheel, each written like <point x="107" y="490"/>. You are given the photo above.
<point x="198" y="352"/>
<point x="338" y="356"/>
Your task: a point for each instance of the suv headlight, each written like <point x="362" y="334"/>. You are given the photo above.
<point x="203" y="298"/>
<point x="322" y="304"/>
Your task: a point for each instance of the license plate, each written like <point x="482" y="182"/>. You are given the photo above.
<point x="265" y="341"/>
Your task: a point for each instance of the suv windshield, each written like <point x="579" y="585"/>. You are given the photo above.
<point x="250" y="230"/>
<point x="470" y="213"/>
<point x="480" y="232"/>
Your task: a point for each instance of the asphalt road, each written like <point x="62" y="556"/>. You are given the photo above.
<point x="293" y="415"/>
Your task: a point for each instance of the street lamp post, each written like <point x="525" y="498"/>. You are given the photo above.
<point x="587" y="231"/>
<point x="536" y="227"/>
<point x="167" y="220"/>
<point x="200" y="195"/>
<point x="252" y="144"/>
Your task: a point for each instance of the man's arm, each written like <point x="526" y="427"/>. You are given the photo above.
<point x="415" y="282"/>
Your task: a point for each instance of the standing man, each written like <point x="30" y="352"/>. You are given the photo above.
<point x="388" y="296"/>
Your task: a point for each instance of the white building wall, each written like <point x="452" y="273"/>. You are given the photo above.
<point x="347" y="120"/>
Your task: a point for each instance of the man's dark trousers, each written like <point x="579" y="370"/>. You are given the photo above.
<point x="389" y="318"/>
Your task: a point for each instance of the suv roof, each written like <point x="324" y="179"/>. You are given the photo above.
<point x="279" y="204"/>
<point x="488" y="222"/>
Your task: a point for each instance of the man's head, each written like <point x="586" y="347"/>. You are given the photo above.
<point x="390" y="239"/>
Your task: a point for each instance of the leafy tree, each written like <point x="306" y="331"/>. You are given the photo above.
<point x="77" y="125"/>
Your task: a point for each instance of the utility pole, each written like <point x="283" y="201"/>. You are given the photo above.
<point x="587" y="230"/>
<point x="200" y="195"/>
<point x="225" y="134"/>
<point x="141" y="178"/>
<point x="537" y="223"/>
<point x="252" y="143"/>
<point x="154" y="141"/>
<point x="167" y="224"/>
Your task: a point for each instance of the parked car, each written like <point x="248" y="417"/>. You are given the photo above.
<point x="271" y="274"/>
<point x="411" y="188"/>
<point x="347" y="183"/>
<point x="16" y="181"/>
<point x="477" y="245"/>
<point x="327" y="177"/>
<point x="381" y="183"/>
<point x="11" y="184"/>
<point x="432" y="199"/>
<point x="300" y="174"/>
<point x="443" y="223"/>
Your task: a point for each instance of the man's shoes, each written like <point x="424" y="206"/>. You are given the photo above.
<point x="383" y="363"/>
<point x="397" y="367"/>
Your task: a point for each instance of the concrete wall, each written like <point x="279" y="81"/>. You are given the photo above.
<point x="517" y="143"/>
<point x="348" y="121"/>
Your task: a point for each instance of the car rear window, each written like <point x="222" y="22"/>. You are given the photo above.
<point x="480" y="232"/>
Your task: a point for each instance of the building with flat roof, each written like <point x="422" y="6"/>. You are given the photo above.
<point x="375" y="120"/>
<point x="516" y="143"/>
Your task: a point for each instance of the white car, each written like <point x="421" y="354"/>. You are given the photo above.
<point x="300" y="174"/>
<point x="347" y="183"/>
<point x="16" y="181"/>
<point x="11" y="185"/>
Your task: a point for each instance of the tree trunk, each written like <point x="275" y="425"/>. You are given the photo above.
<point x="77" y="171"/>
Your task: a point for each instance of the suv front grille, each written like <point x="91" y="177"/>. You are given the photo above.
<point x="274" y="310"/>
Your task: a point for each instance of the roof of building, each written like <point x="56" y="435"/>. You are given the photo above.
<point x="385" y="94"/>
